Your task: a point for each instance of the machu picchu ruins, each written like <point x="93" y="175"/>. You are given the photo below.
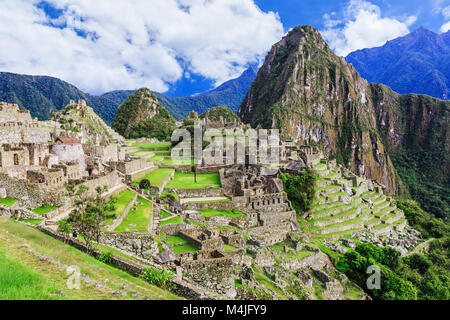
<point x="226" y="229"/>
<point x="218" y="153"/>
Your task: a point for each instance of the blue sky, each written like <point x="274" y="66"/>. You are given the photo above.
<point x="183" y="47"/>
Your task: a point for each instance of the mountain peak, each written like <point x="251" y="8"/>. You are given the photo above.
<point x="415" y="63"/>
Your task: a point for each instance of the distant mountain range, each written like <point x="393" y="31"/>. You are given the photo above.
<point x="43" y="95"/>
<point x="416" y="63"/>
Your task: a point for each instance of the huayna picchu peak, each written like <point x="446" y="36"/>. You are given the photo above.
<point x="315" y="97"/>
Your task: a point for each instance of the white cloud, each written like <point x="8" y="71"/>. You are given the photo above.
<point x="446" y="13"/>
<point x="445" y="27"/>
<point x="362" y="26"/>
<point x="133" y="43"/>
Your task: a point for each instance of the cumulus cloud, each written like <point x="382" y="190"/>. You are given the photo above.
<point x="361" y="25"/>
<point x="106" y="45"/>
<point x="446" y="26"/>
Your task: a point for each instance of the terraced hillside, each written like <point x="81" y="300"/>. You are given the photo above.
<point x="346" y="204"/>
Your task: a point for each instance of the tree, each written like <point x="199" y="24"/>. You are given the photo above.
<point x="144" y="184"/>
<point x="88" y="216"/>
<point x="64" y="227"/>
<point x="194" y="168"/>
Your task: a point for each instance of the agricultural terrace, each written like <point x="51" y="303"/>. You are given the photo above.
<point x="8" y="202"/>
<point x="151" y="145"/>
<point x="44" y="209"/>
<point x="183" y="180"/>
<point x="120" y="202"/>
<point x="138" y="218"/>
<point x="156" y="177"/>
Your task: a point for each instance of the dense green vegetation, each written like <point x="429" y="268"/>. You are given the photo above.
<point x="300" y="189"/>
<point x="416" y="276"/>
<point x="159" y="277"/>
<point x="419" y="172"/>
<point x="216" y="113"/>
<point x="422" y="221"/>
<point x="141" y="115"/>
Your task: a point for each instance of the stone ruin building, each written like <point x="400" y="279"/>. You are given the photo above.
<point x="269" y="213"/>
<point x="43" y="155"/>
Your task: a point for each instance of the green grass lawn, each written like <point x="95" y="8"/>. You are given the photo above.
<point x="44" y="209"/>
<point x="156" y="158"/>
<point x="152" y="145"/>
<point x="122" y="201"/>
<point x="180" y="162"/>
<point x="137" y="220"/>
<point x="228" y="247"/>
<point x="183" y="180"/>
<point x="19" y="282"/>
<point x="176" y="219"/>
<point x="156" y="177"/>
<point x="164" y="214"/>
<point x="184" y="248"/>
<point x="7" y="201"/>
<point x="227" y="213"/>
<point x="175" y="240"/>
<point x="33" y="221"/>
<point x="142" y="153"/>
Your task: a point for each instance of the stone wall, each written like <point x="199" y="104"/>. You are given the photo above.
<point x="212" y="274"/>
<point x="217" y="205"/>
<point x="110" y="180"/>
<point x="18" y="132"/>
<point x="173" y="229"/>
<point x="143" y="246"/>
<point x="30" y="195"/>
<point x="11" y="112"/>
<point x="197" y="193"/>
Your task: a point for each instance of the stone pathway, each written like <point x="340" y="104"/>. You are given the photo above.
<point x="119" y="219"/>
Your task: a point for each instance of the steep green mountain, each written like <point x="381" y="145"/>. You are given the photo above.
<point x="316" y="98"/>
<point x="416" y="63"/>
<point x="43" y="95"/>
<point x="142" y="115"/>
<point x="229" y="94"/>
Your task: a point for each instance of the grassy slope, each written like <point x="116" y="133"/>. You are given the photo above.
<point x="53" y="277"/>
<point x="140" y="217"/>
